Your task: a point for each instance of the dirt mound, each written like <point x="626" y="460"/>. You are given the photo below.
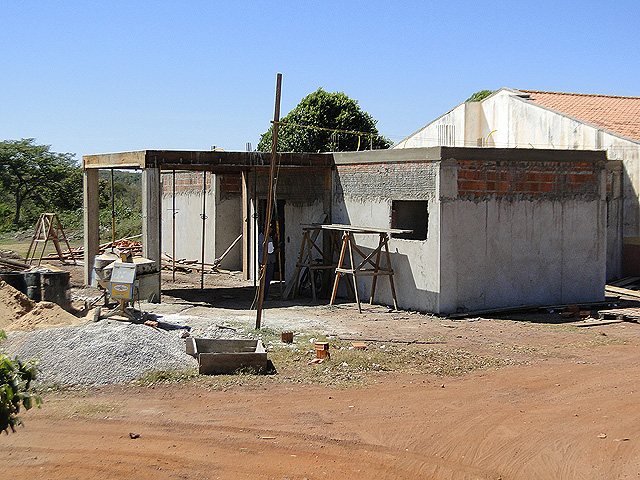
<point x="17" y="312"/>
<point x="44" y="315"/>
<point x="13" y="304"/>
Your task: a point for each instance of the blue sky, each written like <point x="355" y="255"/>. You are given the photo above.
<point x="96" y="77"/>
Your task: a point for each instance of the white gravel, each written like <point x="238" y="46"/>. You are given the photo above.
<point x="99" y="353"/>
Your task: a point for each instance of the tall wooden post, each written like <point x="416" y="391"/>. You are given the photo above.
<point x="204" y="224"/>
<point x="267" y="222"/>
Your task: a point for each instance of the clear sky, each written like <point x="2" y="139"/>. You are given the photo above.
<point x="95" y="77"/>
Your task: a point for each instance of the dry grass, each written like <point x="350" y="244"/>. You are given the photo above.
<point x="346" y="367"/>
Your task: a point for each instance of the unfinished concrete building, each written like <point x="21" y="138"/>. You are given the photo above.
<point x="491" y="227"/>
<point x="512" y="118"/>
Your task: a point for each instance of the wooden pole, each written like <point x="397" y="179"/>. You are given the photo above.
<point x="113" y="211"/>
<point x="204" y="217"/>
<point x="173" y="223"/>
<point x="267" y="222"/>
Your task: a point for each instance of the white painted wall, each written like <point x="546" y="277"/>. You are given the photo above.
<point x="228" y="225"/>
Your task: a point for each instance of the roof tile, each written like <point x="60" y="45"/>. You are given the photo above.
<point x="620" y="115"/>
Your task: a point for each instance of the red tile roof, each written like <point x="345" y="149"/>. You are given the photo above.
<point x="620" y="115"/>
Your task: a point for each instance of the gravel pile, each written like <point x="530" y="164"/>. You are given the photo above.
<point x="99" y="353"/>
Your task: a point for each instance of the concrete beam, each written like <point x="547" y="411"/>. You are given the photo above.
<point x="91" y="221"/>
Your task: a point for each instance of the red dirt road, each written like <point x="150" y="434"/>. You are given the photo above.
<point x="574" y="415"/>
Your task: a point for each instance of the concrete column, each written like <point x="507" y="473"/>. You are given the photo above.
<point x="151" y="219"/>
<point x="614" y="221"/>
<point x="91" y="220"/>
<point x="245" y="225"/>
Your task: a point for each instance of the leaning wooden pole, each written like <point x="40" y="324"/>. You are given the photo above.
<point x="204" y="223"/>
<point x="173" y="224"/>
<point x="267" y="221"/>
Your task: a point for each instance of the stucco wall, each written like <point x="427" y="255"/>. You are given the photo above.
<point x="223" y="210"/>
<point x="523" y="233"/>
<point x="500" y="233"/>
<point x="363" y="197"/>
<point x="498" y="253"/>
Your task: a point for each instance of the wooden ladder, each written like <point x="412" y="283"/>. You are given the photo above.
<point x="48" y="228"/>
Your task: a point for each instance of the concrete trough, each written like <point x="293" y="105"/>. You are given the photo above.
<point x="227" y="356"/>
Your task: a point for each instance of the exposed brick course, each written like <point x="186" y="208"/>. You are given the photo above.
<point x="480" y="179"/>
<point x="186" y="182"/>
<point x="230" y="183"/>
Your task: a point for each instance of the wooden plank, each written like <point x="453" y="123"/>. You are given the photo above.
<point x="338" y="273"/>
<point x="120" y="160"/>
<point x="270" y="198"/>
<point x="474" y="313"/>
<point x="594" y="324"/>
<point x="622" y="291"/>
<point x="363" y="230"/>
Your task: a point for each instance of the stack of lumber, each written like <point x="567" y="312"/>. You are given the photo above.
<point x="122" y="244"/>
<point x="186" y="266"/>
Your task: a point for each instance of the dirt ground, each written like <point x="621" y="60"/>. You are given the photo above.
<point x="565" y="407"/>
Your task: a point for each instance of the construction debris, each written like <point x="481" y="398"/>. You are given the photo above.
<point x="124" y="244"/>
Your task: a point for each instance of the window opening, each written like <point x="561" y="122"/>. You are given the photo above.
<point x="410" y="215"/>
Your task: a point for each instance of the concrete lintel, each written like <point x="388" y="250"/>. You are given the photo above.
<point x="388" y="156"/>
<point x="215" y="161"/>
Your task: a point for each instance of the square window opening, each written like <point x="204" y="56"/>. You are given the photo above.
<point x="410" y="215"/>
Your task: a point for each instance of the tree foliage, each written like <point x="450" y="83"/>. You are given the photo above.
<point x="33" y="175"/>
<point x="335" y="111"/>
<point x="481" y="95"/>
<point x="15" y="385"/>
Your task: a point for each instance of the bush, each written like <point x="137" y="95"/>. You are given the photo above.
<point x="15" y="386"/>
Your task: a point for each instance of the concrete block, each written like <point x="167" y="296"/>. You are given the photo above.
<point x="227" y="356"/>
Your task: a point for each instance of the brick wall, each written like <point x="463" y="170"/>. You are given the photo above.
<point x="478" y="179"/>
<point x="230" y="184"/>
<point x="191" y="182"/>
<point x="186" y="182"/>
<point x="395" y="180"/>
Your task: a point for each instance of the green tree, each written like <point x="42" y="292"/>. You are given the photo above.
<point x="15" y="385"/>
<point x="33" y="174"/>
<point x="332" y="111"/>
<point x="482" y="94"/>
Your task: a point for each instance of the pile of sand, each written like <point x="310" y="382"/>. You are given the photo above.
<point x="17" y="312"/>
<point x="13" y="304"/>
